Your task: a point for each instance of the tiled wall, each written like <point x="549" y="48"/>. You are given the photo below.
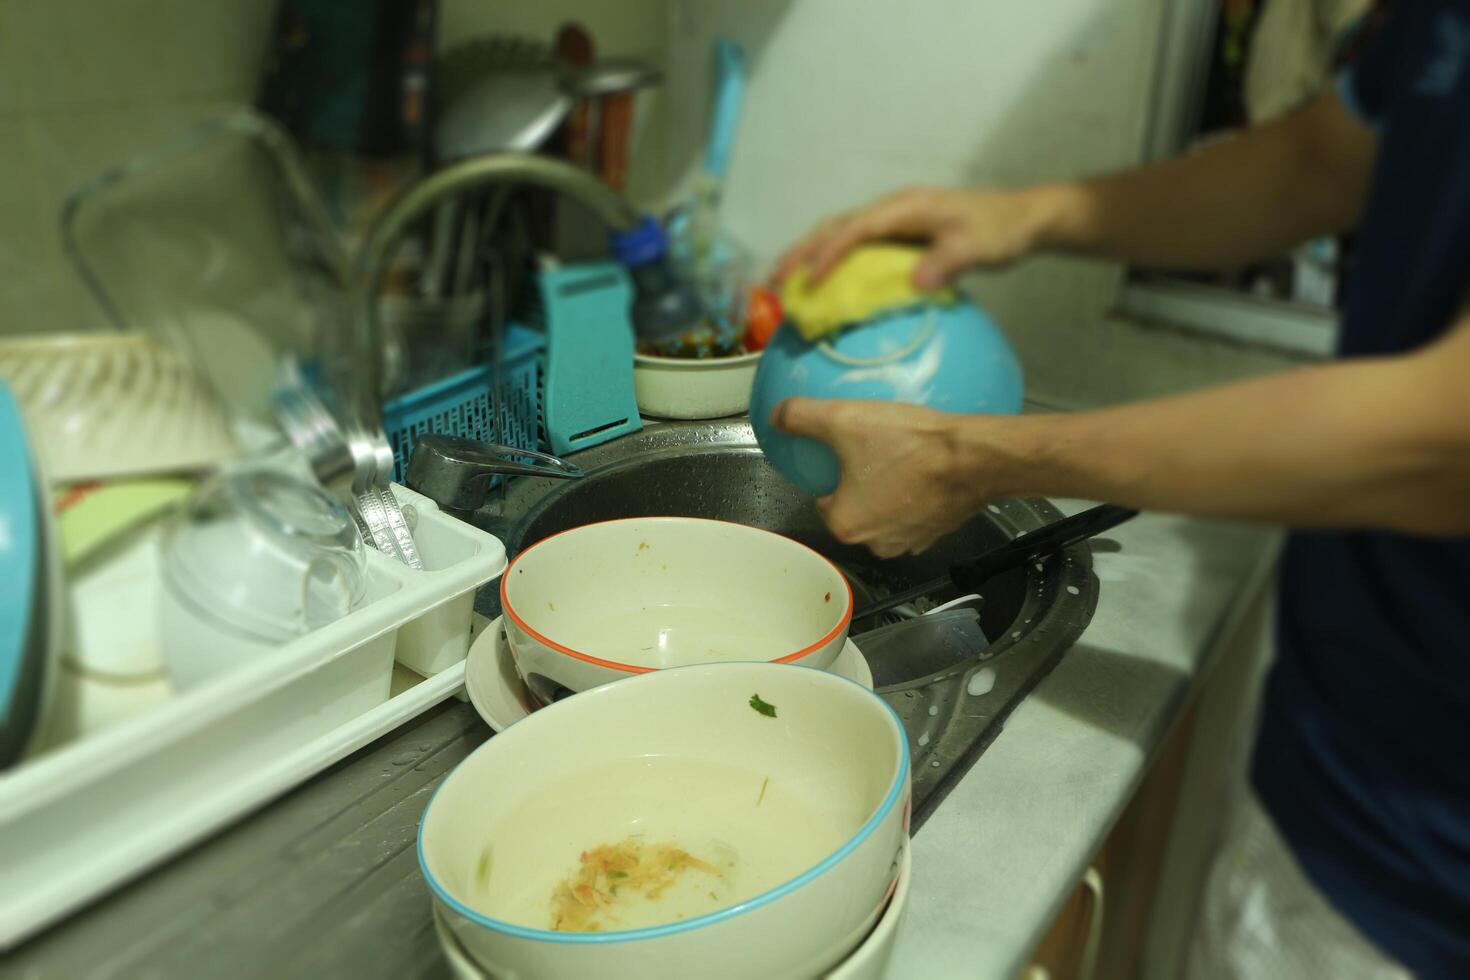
<point x="84" y="85"/>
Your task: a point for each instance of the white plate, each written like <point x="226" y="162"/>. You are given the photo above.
<point x="501" y="697"/>
<point x="868" y="962"/>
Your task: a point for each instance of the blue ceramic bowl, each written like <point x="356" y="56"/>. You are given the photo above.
<point x="948" y="357"/>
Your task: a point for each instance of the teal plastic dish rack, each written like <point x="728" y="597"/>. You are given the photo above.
<point x="566" y="381"/>
<point x="465" y="404"/>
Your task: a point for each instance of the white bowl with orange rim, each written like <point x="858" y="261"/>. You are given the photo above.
<point x="607" y="601"/>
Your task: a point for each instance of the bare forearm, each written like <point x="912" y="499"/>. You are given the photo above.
<point x="1247" y="197"/>
<point x="1372" y="443"/>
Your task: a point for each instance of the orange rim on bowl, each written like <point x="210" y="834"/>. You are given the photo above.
<point x="509" y="610"/>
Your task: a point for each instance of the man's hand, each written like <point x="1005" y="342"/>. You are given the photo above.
<point x="962" y="228"/>
<point x="1369" y="442"/>
<point x="905" y="482"/>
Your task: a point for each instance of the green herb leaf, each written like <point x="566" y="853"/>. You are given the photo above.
<point x="769" y="710"/>
<point x="617" y="874"/>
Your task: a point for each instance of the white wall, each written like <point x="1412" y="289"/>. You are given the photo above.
<point x="852" y="98"/>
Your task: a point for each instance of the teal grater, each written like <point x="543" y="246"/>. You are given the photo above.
<point x="587" y="376"/>
<point x="566" y="376"/>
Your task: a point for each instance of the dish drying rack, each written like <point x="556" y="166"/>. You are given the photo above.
<point x="565" y="380"/>
<point x="81" y="819"/>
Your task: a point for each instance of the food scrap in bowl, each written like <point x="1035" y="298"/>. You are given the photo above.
<point x="613" y="876"/>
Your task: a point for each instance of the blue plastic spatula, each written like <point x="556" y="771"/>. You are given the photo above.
<point x="695" y="236"/>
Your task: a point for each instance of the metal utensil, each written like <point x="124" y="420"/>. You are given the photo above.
<point x="514" y="108"/>
<point x="352" y="453"/>
<point x="969" y="574"/>
<point x="610" y="76"/>
<point x="917" y="651"/>
<point x="456" y="472"/>
<point x="545" y="690"/>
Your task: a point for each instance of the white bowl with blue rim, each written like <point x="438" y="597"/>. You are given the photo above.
<point x="946" y="356"/>
<point x="720" y="820"/>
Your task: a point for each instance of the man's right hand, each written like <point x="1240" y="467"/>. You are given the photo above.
<point x="962" y="228"/>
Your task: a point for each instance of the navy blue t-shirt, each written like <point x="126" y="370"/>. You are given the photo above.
<point x="1363" y="759"/>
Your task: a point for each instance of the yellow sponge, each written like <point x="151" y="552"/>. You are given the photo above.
<point x="869" y="280"/>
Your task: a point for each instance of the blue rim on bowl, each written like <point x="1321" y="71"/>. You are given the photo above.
<point x="896" y="791"/>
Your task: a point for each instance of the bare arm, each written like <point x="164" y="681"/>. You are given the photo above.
<point x="1249" y="196"/>
<point x="1246" y="197"/>
<point x="1382" y="442"/>
<point x="1373" y="442"/>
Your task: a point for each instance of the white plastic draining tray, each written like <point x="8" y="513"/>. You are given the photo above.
<point x="79" y="820"/>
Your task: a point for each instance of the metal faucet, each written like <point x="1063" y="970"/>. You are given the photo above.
<point x="455" y="472"/>
<point x="415" y="202"/>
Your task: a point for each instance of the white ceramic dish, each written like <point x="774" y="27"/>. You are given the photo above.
<point x="500" y="695"/>
<point x="808" y="809"/>
<point x="109" y="404"/>
<point x="691" y="388"/>
<point x="606" y="601"/>
<point x="868" y="962"/>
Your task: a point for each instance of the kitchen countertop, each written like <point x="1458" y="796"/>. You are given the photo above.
<point x="325" y="881"/>
<point x="1004" y="850"/>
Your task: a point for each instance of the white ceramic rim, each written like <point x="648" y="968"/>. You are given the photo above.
<point x="505" y="606"/>
<point x="896" y="790"/>
<point x="480" y="697"/>
<point x="460" y="959"/>
<point x="654" y="361"/>
<point x="925" y="332"/>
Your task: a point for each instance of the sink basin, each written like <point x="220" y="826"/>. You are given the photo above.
<point x="714" y="469"/>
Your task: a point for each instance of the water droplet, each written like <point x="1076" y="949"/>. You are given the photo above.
<point x="933" y="710"/>
<point x="1073" y="590"/>
<point x="908" y="694"/>
<point x="992" y="508"/>
<point x="404" y="760"/>
<point x="1040" y="567"/>
<point x="981" y="682"/>
<point x="923" y="739"/>
<point x="935" y="763"/>
<point x="1016" y="635"/>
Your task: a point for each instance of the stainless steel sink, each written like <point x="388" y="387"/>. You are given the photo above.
<point x="715" y="469"/>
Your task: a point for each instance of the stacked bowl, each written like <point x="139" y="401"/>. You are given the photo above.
<point x="719" y="820"/>
<point x="711" y="800"/>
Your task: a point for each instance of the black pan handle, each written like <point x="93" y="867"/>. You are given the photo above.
<point x="973" y="572"/>
<point x="970" y="574"/>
